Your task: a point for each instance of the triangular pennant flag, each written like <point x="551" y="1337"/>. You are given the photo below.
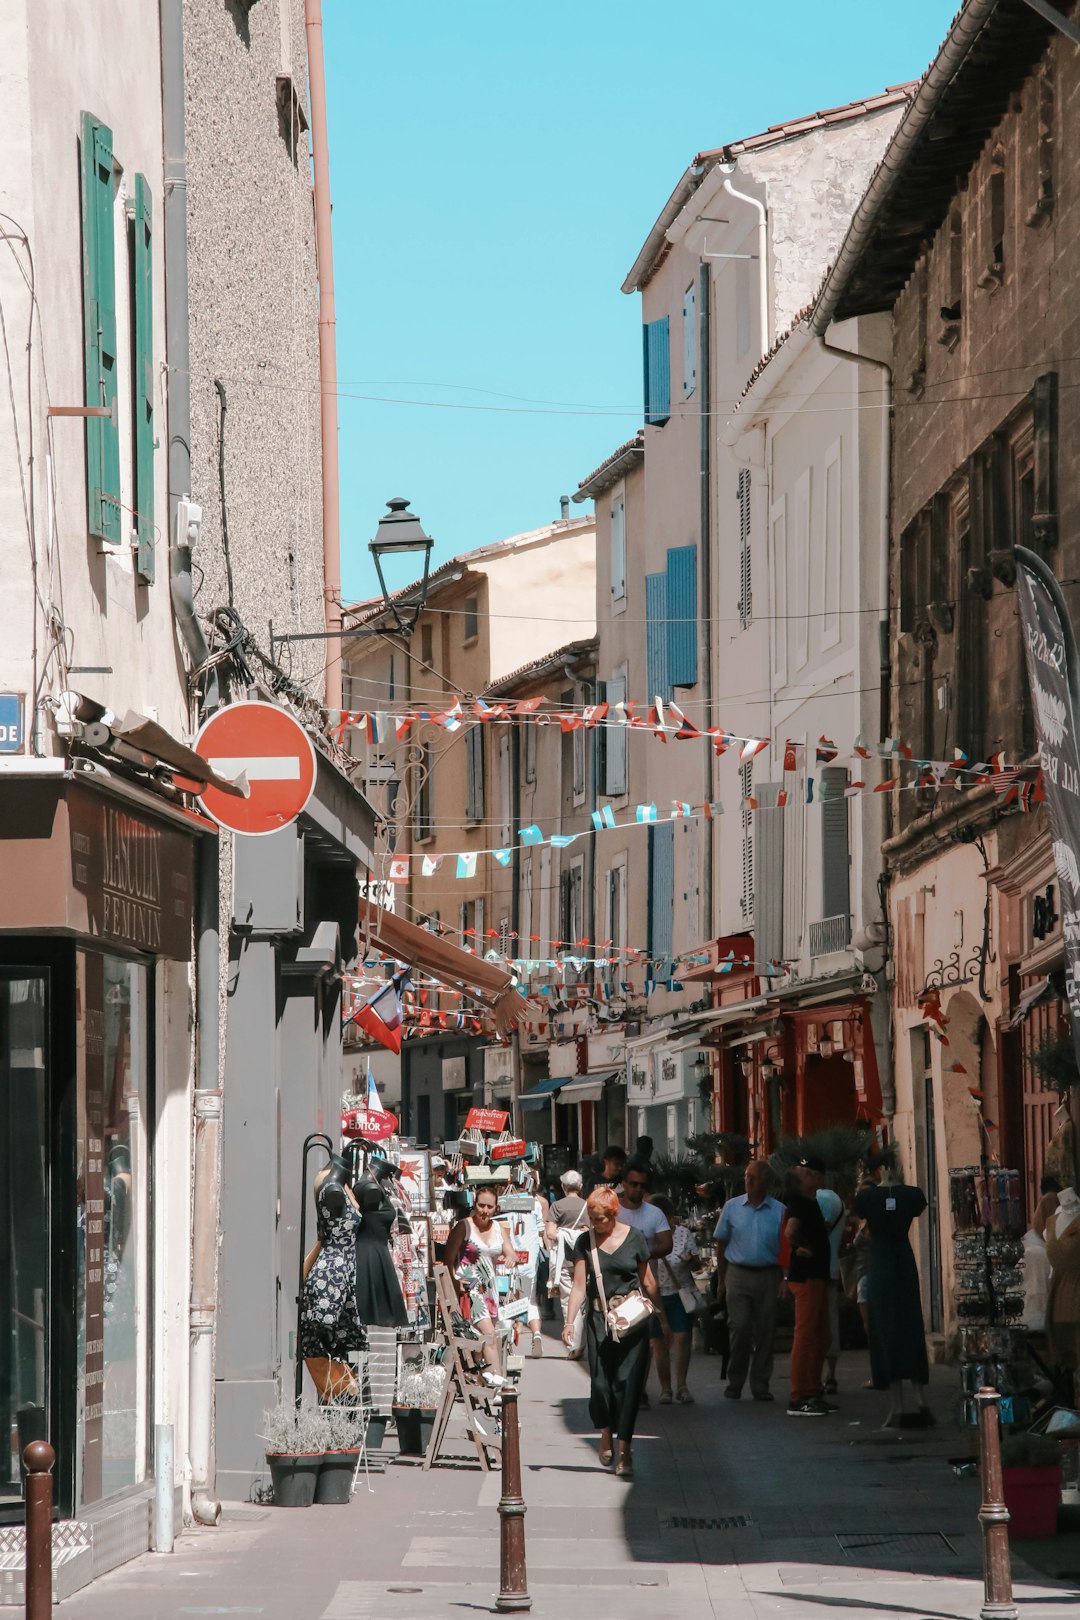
<point x="383" y="1016"/>
<point x="466" y="866"/>
<point x="399" y="870"/>
<point x="561" y="840"/>
<point x="645" y="812"/>
<point x="791" y="762"/>
<point x="753" y="746"/>
<point x="502" y="856"/>
<point x="531" y="835"/>
<point x="826" y="751"/>
<point x="430" y="864"/>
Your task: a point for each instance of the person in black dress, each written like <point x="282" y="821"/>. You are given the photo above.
<point x="379" y="1300"/>
<point x="617" y="1367"/>
<point x="897" y="1339"/>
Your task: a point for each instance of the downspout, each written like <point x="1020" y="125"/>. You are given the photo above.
<point x="705" y="454"/>
<point x="324" y="249"/>
<point x="762" y="253"/>
<point x="206" y="1183"/>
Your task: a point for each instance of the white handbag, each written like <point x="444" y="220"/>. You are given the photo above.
<point x="629" y="1313"/>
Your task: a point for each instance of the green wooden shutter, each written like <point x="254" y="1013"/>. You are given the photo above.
<point x="681" y="607"/>
<point x="144" y="378"/>
<point x="656" y="638"/>
<point x="661" y="891"/>
<point x="99" y="330"/>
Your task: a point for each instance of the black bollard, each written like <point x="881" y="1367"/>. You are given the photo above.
<point x="38" y="1459"/>
<point x="513" y="1588"/>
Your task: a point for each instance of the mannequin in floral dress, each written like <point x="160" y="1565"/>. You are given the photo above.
<point x="330" y="1324"/>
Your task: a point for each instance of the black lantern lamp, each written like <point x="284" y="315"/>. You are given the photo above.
<point x="400" y="534"/>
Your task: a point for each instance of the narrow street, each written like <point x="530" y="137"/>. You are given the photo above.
<point x="835" y="1515"/>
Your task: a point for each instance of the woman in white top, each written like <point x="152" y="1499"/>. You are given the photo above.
<point x="474" y="1248"/>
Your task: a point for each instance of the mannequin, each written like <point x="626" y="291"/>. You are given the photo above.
<point x="379" y="1300"/>
<point x="1063" y="1304"/>
<point x="897" y="1341"/>
<point x="329" y="1324"/>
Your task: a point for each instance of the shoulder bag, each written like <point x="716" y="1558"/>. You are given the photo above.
<point x="629" y="1311"/>
<point x="693" y="1300"/>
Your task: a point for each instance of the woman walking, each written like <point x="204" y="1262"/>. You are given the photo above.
<point x="617" y="1367"/>
<point x="675" y="1276"/>
<point x="474" y="1248"/>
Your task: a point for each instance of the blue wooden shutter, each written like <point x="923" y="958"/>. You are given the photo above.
<point x="682" y="636"/>
<point x="144" y="378"/>
<point x="99" y="329"/>
<point x="657" y="356"/>
<point x="656" y="644"/>
<point x="661" y="888"/>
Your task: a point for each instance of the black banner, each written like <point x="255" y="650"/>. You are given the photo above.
<point x="1050" y="648"/>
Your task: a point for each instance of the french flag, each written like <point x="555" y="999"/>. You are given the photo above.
<point x="383" y="1017"/>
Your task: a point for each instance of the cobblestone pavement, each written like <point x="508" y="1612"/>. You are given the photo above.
<point x="736" y="1510"/>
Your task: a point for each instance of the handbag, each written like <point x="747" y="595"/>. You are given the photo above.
<point x="629" y="1312"/>
<point x="693" y="1300"/>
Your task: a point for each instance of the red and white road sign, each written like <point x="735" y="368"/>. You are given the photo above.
<point x="264" y="746"/>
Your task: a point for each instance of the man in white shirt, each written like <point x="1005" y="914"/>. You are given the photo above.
<point x="748" y="1269"/>
<point x="651" y="1222"/>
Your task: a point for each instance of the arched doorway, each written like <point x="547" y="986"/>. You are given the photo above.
<point x="828" y="1092"/>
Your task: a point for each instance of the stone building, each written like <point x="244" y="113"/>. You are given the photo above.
<point x="966" y="238"/>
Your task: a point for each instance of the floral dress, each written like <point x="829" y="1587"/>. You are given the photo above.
<point x="479" y="1254"/>
<point x="329" y="1321"/>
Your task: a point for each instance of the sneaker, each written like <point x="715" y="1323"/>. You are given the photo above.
<point x="807" y="1409"/>
<point x="537" y="1346"/>
<point x="684" y="1397"/>
<point x="732" y="1394"/>
<point x="665" y="1397"/>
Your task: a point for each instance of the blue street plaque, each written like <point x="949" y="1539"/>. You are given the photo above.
<point x="11" y="723"/>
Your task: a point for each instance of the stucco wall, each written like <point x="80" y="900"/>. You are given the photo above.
<point x="254" y="315"/>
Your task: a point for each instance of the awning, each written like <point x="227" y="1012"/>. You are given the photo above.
<point x="1041" y="990"/>
<point x="540" y="1095"/>
<point x="588" y="1089"/>
<point x="486" y="982"/>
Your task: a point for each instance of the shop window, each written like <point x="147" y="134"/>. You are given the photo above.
<point x="24" y="1222"/>
<point x="112" y="1322"/>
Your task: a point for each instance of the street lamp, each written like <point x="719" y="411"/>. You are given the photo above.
<point x="400" y="533"/>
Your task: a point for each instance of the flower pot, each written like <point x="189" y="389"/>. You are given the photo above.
<point x="1032" y="1496"/>
<point x="414" y="1426"/>
<point x="336" y="1477"/>
<point x="376" y="1430"/>
<point x="295" y="1475"/>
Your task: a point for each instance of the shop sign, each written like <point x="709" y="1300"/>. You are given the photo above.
<point x="1055" y="693"/>
<point x="455" y="1074"/>
<point x="135" y="875"/>
<point x="671" y="1077"/>
<point x="12" y="709"/>
<point x="486" y="1119"/>
<point x="374" y="1124"/>
<point x="506" y="1152"/>
<point x="639" y="1078"/>
<point x="377" y="893"/>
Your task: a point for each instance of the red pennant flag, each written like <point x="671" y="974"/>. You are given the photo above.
<point x="790" y="759"/>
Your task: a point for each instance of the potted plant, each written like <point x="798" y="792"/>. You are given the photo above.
<point x="1031" y="1473"/>
<point x="343" y="1433"/>
<point x="419" y="1389"/>
<point x="295" y="1441"/>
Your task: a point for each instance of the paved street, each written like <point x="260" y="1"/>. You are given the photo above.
<point x="827" y="1515"/>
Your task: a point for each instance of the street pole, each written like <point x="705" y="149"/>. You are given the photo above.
<point x="993" y="1514"/>
<point x="513" y="1595"/>
<point x="38" y="1459"/>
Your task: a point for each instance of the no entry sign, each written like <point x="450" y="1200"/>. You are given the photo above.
<point x="272" y="752"/>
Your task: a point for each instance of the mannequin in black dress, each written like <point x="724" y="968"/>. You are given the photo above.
<point x="379" y="1300"/>
<point x="897" y="1338"/>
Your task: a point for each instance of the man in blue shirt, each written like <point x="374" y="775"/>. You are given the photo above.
<point x="748" y="1266"/>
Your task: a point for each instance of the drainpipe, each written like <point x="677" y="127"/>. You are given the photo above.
<point x="705" y="456"/>
<point x="763" y="251"/>
<point x="206" y="1186"/>
<point x="324" y="249"/>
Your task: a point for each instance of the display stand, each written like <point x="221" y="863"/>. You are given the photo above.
<point x="988" y="1230"/>
<point x="463" y="1382"/>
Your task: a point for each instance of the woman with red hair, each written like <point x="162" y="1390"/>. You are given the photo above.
<point x="617" y="1367"/>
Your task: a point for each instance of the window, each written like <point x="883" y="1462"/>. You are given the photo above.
<point x="746" y="583"/>
<point x="615" y="910"/>
<point x="835" y="853"/>
<point x="800" y="572"/>
<point x="424" y="790"/>
<point x="657" y="372"/>
<point x="578" y="764"/>
<point x="778" y="580"/>
<point x="142" y="393"/>
<point x="769" y="828"/>
<point x="618" y="550"/>
<point x="994" y="227"/>
<point x="504" y="936"/>
<point x="661" y="890"/>
<point x="571" y="896"/>
<point x="99" y="330"/>
<point x="689" y="335"/>
<point x="746" y="789"/>
<point x="474" y="762"/>
<point x="952" y="309"/>
<point x="471" y="618"/>
<point x="681" y="606"/>
<point x="832" y="549"/>
<point x="614" y="740"/>
<point x="530" y="730"/>
<point x="656" y="642"/>
<point x="427" y="645"/>
<point x="1043" y="201"/>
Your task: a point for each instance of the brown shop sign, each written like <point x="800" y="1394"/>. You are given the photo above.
<point x="136" y="877"/>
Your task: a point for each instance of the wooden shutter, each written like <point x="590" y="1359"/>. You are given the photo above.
<point x="746" y="783"/>
<point x="1044" y="519"/>
<point x="474" y="751"/>
<point x="682" y="630"/>
<point x="614" y="742"/>
<point x="661" y="888"/>
<point x="143" y="391"/>
<point x="656" y="640"/>
<point x="618" y="549"/>
<point x="657" y="362"/>
<point x="689" y="341"/>
<point x="769" y="898"/>
<point x="99" y="330"/>
<point x="746" y="584"/>
<point x="835" y="850"/>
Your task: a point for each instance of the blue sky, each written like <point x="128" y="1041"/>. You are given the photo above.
<point x="494" y="171"/>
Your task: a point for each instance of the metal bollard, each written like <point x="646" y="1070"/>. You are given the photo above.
<point x="38" y="1459"/>
<point x="993" y="1514"/>
<point x="513" y="1593"/>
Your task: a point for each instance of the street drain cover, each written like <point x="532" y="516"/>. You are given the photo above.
<point x="690" y="1521"/>
<point x="891" y="1542"/>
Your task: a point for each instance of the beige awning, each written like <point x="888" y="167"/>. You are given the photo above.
<point x="488" y="983"/>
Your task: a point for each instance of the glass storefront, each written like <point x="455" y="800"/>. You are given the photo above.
<point x="24" y="1219"/>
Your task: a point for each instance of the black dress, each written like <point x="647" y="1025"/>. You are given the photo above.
<point x="617" y="1367"/>
<point x="329" y="1324"/>
<point x="897" y="1338"/>
<point x="379" y="1300"/>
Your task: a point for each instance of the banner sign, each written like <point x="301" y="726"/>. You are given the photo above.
<point x="1052" y="672"/>
<point x="486" y="1119"/>
<point x="374" y="1124"/>
<point x="503" y="1152"/>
